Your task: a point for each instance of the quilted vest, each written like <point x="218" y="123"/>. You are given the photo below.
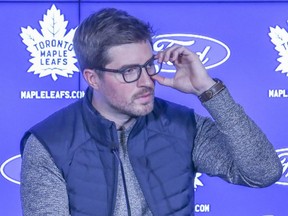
<point x="160" y="148"/>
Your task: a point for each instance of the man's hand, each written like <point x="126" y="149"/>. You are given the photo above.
<point x="190" y="77"/>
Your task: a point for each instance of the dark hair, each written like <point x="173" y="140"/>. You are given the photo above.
<point x="102" y="30"/>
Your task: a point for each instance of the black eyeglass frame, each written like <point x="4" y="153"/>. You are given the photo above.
<point x="122" y="70"/>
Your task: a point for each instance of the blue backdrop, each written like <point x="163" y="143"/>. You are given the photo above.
<point x="244" y="43"/>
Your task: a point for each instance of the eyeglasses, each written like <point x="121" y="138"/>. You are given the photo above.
<point x="132" y="73"/>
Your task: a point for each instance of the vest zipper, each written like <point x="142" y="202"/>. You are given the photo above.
<point x="116" y="170"/>
<point x="117" y="163"/>
<point x="115" y="184"/>
<point x="116" y="153"/>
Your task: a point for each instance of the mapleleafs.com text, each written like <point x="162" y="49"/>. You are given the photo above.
<point x="51" y="94"/>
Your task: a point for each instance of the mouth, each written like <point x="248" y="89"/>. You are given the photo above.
<point x="145" y="97"/>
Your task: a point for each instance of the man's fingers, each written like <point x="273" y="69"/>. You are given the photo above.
<point x="163" y="80"/>
<point x="171" y="54"/>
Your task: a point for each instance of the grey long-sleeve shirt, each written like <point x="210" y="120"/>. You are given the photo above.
<point x="231" y="147"/>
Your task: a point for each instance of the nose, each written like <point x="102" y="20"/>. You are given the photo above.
<point x="145" y="80"/>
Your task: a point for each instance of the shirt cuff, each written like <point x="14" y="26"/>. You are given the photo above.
<point x="224" y="110"/>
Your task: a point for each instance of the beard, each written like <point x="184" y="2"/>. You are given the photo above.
<point x="134" y="107"/>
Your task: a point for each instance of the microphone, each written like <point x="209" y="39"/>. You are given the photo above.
<point x="115" y="151"/>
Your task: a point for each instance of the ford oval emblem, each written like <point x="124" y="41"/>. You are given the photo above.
<point x="211" y="52"/>
<point x="283" y="155"/>
<point x="10" y="169"/>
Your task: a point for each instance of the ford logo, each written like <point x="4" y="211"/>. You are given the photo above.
<point x="10" y="169"/>
<point x="211" y="52"/>
<point x="283" y="155"/>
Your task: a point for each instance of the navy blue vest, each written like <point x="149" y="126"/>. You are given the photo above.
<point x="160" y="148"/>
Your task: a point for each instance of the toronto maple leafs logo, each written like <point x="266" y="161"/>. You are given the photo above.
<point x="197" y="181"/>
<point x="279" y="37"/>
<point x="52" y="51"/>
<point x="283" y="156"/>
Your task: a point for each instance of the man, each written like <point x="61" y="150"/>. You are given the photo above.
<point x="119" y="150"/>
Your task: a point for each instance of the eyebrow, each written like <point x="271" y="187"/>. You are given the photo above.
<point x="131" y="65"/>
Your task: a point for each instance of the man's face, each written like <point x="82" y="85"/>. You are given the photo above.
<point x="115" y="96"/>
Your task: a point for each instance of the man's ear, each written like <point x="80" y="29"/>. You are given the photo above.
<point x="92" y="78"/>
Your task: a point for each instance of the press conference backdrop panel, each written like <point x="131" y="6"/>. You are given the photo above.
<point x="244" y="43"/>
